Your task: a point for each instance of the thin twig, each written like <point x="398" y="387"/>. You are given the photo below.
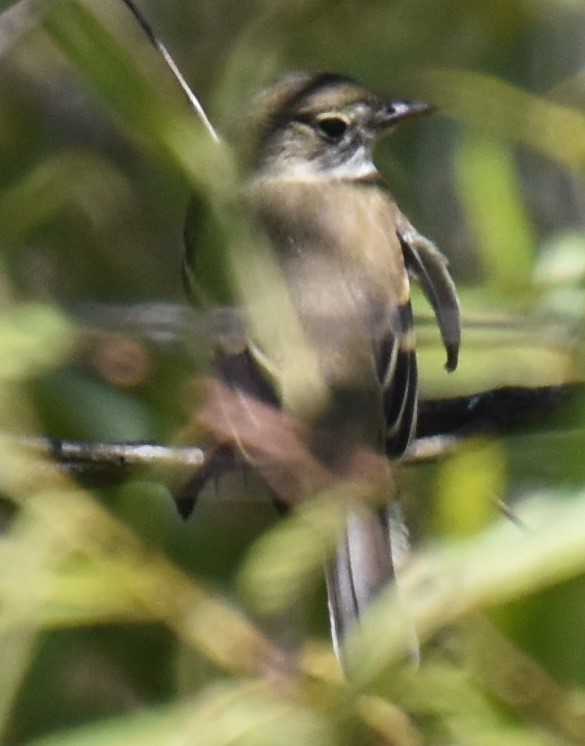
<point x="166" y="55"/>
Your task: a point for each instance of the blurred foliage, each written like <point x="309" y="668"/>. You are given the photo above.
<point x="121" y="624"/>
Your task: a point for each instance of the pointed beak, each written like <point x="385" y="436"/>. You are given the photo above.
<point x="394" y="112"/>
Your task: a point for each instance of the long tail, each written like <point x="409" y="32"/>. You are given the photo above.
<point x="361" y="568"/>
<point x="364" y="564"/>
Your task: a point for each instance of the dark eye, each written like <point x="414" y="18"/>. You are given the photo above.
<point x="332" y="127"/>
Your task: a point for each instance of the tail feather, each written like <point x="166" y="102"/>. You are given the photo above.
<point x="366" y="556"/>
<point x="367" y="560"/>
<point x="361" y="568"/>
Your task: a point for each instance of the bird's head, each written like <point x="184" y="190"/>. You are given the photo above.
<point x="321" y="125"/>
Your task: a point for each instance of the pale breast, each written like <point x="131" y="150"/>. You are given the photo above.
<point x="337" y="244"/>
<point x="342" y="262"/>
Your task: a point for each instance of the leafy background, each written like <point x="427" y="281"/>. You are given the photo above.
<point x="119" y="622"/>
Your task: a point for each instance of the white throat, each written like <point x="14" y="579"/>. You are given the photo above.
<point x="359" y="166"/>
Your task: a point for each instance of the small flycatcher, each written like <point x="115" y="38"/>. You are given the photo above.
<point x="346" y="255"/>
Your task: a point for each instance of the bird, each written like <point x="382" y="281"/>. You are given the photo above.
<point x="346" y="256"/>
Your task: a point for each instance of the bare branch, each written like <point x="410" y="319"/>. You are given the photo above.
<point x="443" y="426"/>
<point x="110" y="464"/>
<point x="497" y="411"/>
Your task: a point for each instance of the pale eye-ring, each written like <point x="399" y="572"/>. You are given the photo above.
<point x="333" y="127"/>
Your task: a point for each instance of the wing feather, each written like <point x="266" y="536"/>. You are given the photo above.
<point x="428" y="265"/>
